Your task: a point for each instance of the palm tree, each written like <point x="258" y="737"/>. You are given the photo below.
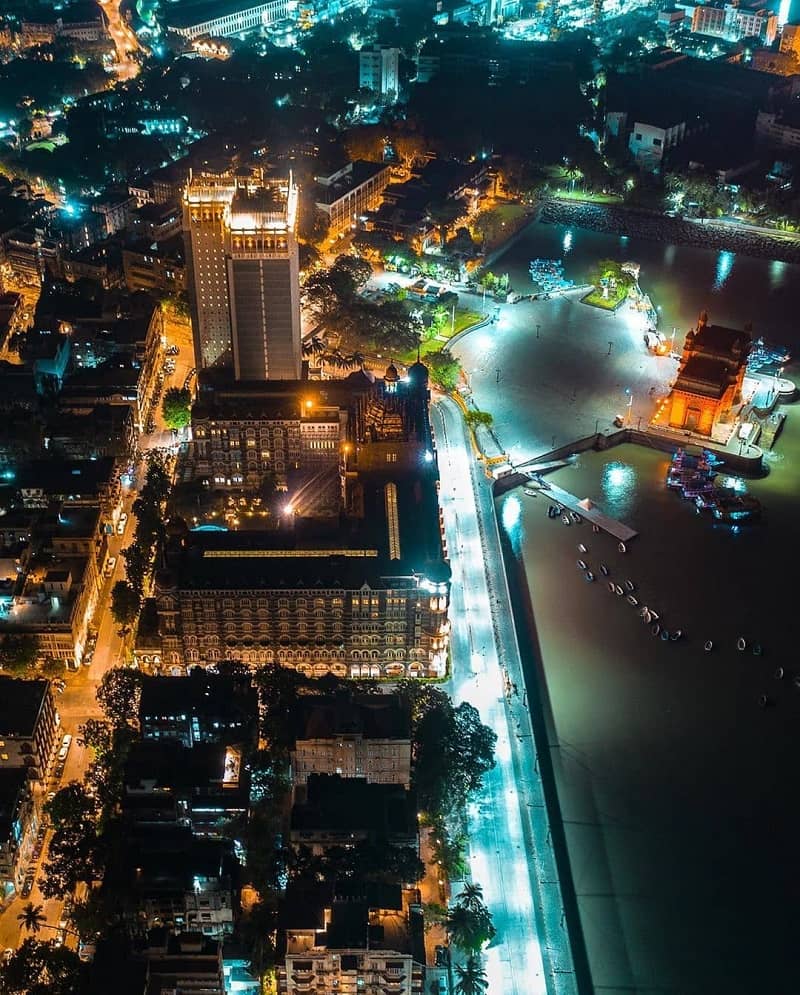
<point x="471" y="897"/>
<point x="313" y="345"/>
<point x="471" y="978"/>
<point x="354" y="359"/>
<point x="32" y="918"/>
<point x="460" y="926"/>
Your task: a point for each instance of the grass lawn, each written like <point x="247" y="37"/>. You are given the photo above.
<point x="464" y="319"/>
<point x="611" y="303"/>
<point x="588" y="198"/>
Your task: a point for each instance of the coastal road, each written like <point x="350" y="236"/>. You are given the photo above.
<point x="508" y="832"/>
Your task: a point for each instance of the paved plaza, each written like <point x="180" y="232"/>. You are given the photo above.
<point x="571" y="378"/>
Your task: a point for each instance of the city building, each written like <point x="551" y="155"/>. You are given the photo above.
<point x="199" y="708"/>
<point x="115" y="210"/>
<point x="779" y="129"/>
<point x="187" y="964"/>
<point x="351" y="579"/>
<point x="264" y="282"/>
<point x="204" y="787"/>
<point x="732" y="22"/>
<point x="357" y="736"/>
<point x="29" y="725"/>
<point x="708" y="386"/>
<point x="55" y="603"/>
<point x="331" y="810"/>
<point x="18" y="827"/>
<point x="240" y="435"/>
<point x="244" y="280"/>
<point x="349" y="938"/>
<point x="651" y="140"/>
<point x="379" y="71"/>
<point x="180" y="881"/>
<point x="790" y="40"/>
<point x="225" y="20"/>
<point x="154" y="266"/>
<point x="349" y="192"/>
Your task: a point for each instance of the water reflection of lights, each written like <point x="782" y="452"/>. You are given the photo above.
<point x="777" y="272"/>
<point x="724" y="266"/>
<point x="512" y="512"/>
<point x="617" y="478"/>
<point x="567" y="242"/>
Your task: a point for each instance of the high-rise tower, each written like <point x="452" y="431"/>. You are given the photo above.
<point x="264" y="282"/>
<point x="244" y="282"/>
<point x="207" y="195"/>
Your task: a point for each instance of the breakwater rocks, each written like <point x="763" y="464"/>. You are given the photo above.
<point x="641" y="224"/>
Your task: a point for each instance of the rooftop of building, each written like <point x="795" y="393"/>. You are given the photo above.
<point x="708" y="377"/>
<point x="190" y="12"/>
<point x="733" y="343"/>
<point x="200" y="693"/>
<point x="20" y="705"/>
<point x="373" y="716"/>
<point x="171" y="858"/>
<point x="331" y="803"/>
<point x="65" y="476"/>
<point x="341" y="181"/>
<point x="169" y="765"/>
<point x="72" y="521"/>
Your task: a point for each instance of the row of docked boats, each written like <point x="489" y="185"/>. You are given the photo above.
<point x="695" y="478"/>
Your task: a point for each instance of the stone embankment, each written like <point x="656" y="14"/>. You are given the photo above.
<point x="641" y="224"/>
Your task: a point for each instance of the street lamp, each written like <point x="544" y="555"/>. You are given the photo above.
<point x="345" y="450"/>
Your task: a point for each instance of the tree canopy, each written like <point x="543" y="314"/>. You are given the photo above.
<point x="176" y="407"/>
<point x="125" y="603"/>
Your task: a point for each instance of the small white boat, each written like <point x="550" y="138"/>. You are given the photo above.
<point x="604" y="569"/>
<point x="664" y="636"/>
<point x="655" y="629"/>
<point x="633" y="601"/>
<point x="763" y="701"/>
<point x="589" y="575"/>
<point x="611" y="586"/>
<point x="582" y="548"/>
<point x="622" y="548"/>
<point x="676" y="635"/>
<point x="582" y="565"/>
<point x="530" y="492"/>
<point x="618" y="590"/>
<point x="595" y="528"/>
<point x="655" y="614"/>
<point x="757" y="649"/>
<point x="779" y="673"/>
<point x="709" y="645"/>
<point x="796" y="681"/>
<point x="575" y="517"/>
<point x="630" y="585"/>
<point x="565" y="520"/>
<point x="741" y="644"/>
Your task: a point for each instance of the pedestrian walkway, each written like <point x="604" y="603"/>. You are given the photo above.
<point x="584" y="508"/>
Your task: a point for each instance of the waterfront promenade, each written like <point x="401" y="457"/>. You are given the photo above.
<point x="511" y="851"/>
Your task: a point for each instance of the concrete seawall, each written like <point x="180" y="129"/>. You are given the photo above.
<point x="749" y="462"/>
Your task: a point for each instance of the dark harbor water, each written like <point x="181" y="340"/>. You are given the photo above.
<point x="734" y="289"/>
<point x="679" y="791"/>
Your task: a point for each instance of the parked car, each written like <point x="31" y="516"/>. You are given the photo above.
<point x="27" y="886"/>
<point x="111" y="562"/>
<point x="123" y="521"/>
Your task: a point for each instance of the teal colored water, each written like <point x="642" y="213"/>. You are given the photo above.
<point x="679" y="792"/>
